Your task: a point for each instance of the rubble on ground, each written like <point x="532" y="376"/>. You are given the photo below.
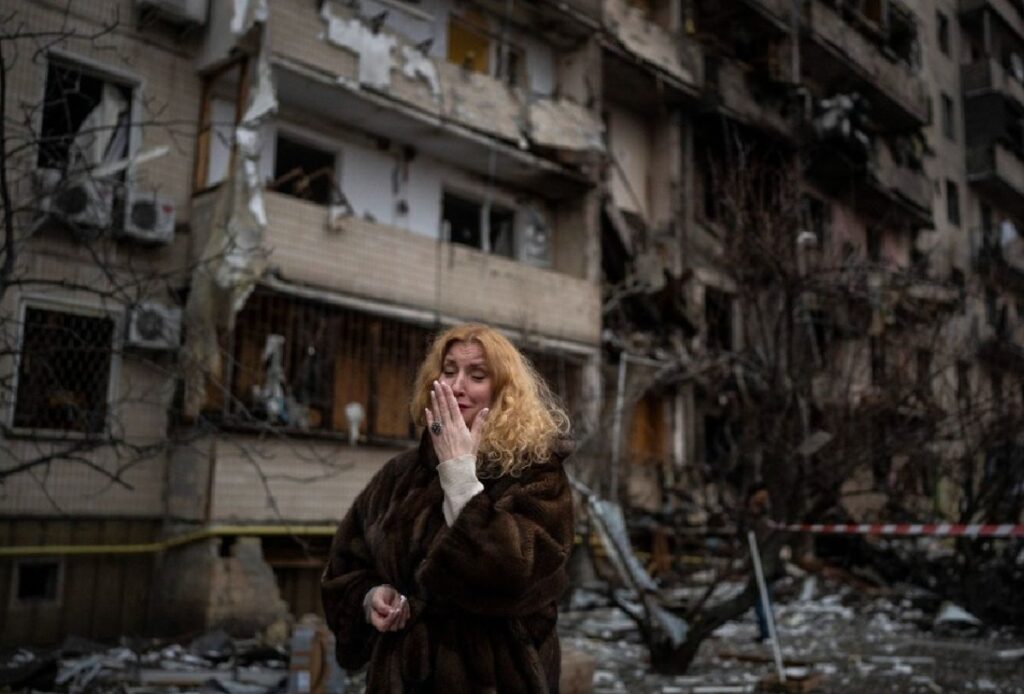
<point x="833" y="637"/>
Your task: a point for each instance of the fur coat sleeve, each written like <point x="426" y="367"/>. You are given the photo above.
<point x="349" y="574"/>
<point x="505" y="554"/>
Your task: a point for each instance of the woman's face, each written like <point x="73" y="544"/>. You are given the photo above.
<point x="466" y="372"/>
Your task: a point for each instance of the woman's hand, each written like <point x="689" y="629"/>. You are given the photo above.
<point x="389" y="610"/>
<point x="454" y="438"/>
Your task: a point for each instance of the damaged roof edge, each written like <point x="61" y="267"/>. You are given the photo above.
<point x="410" y="314"/>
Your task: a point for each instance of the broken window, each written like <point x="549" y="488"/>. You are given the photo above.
<point x="710" y="195"/>
<point x="948" y="117"/>
<point x="85" y="121"/>
<point x="718" y="319"/>
<point x="952" y="203"/>
<point x="304" y="171"/>
<point x="471" y="43"/>
<point x="486" y="226"/>
<point x="314" y="359"/>
<point x="64" y="371"/>
<point x="37" y="581"/>
<point x="220" y="111"/>
<point x="942" y="31"/>
<point x="816" y="218"/>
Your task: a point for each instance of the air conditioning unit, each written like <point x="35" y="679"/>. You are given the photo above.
<point x="177" y="11"/>
<point x="153" y="325"/>
<point x="81" y="201"/>
<point x="148" y="217"/>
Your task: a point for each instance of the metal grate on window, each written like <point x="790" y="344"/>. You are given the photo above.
<point x="329" y="357"/>
<point x="64" y="371"/>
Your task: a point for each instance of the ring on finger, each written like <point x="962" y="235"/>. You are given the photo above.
<point x="436" y="428"/>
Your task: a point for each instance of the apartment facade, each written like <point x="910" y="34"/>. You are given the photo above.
<point x="346" y="178"/>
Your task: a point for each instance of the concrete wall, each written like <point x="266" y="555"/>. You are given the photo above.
<point x="311" y="481"/>
<point x="629" y="138"/>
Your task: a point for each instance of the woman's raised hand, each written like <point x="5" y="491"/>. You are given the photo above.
<point x="454" y="438"/>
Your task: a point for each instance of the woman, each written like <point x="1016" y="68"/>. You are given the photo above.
<point x="445" y="573"/>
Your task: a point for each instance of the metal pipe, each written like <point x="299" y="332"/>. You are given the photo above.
<point x="766" y="605"/>
<point x="162" y="545"/>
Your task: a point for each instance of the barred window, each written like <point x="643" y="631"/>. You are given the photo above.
<point x="329" y="357"/>
<point x="64" y="371"/>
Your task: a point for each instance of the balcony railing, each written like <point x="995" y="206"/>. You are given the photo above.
<point x="909" y="187"/>
<point x="989" y="76"/>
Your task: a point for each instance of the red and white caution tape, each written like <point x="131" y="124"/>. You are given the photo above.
<point x="908" y="530"/>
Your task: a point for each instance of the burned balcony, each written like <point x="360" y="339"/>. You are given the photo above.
<point x="869" y="55"/>
<point x="646" y="61"/>
<point x="463" y="98"/>
<point x="976" y="14"/>
<point x="1002" y="264"/>
<point x="998" y="170"/>
<point x="987" y="76"/>
<point x="888" y="171"/>
<point x="738" y="94"/>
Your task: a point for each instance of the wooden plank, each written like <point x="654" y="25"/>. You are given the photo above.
<point x="80" y="581"/>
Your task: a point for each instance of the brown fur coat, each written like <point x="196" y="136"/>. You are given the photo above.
<point x="482" y="592"/>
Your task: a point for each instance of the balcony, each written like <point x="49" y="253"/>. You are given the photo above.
<point x="901" y="188"/>
<point x="332" y="66"/>
<point x="999" y="172"/>
<point x="1006" y="10"/>
<point x="371" y="261"/>
<point x="1003" y="267"/>
<point x="987" y="76"/>
<point x="729" y="89"/>
<point x="840" y="56"/>
<point x="638" y="47"/>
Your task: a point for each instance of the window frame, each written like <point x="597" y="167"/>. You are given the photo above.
<point x="942" y="32"/>
<point x="947" y="112"/>
<point x="306" y="138"/>
<point x="78" y="308"/>
<point x="107" y="73"/>
<point x="486" y="200"/>
<point x="952" y="194"/>
<point x="16" y="604"/>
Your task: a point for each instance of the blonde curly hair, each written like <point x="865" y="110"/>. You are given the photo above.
<point x="525" y="418"/>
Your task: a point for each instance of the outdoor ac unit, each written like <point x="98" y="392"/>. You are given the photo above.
<point x="177" y="11"/>
<point x="78" y="200"/>
<point x="154" y="326"/>
<point x="148" y="217"/>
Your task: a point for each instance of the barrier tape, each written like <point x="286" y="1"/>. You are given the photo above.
<point x="907" y="529"/>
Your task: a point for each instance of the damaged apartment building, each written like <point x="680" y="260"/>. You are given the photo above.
<point x="290" y="197"/>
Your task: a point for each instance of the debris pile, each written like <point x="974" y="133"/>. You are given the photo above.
<point x="833" y="636"/>
<point x="214" y="662"/>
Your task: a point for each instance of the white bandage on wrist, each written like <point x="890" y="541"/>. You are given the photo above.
<point x="460" y="484"/>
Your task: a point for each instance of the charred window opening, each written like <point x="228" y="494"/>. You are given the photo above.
<point x="716" y="439"/>
<point x="304" y="171"/>
<point x="718" y="314"/>
<point x="816" y="218"/>
<point x="85" y="120"/>
<point x="942" y="31"/>
<point x="948" y="117"/>
<point x="64" y="371"/>
<point x="952" y="203"/>
<point x="37" y="581"/>
<point x="322" y="358"/>
<point x="709" y="195"/>
<point x="490" y="228"/>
